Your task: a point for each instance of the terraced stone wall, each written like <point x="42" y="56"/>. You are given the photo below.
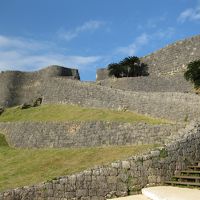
<point x="120" y="178"/>
<point x="174" y="106"/>
<point x="84" y="134"/>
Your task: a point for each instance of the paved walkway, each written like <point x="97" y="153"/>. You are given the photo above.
<point x="133" y="197"/>
<point x="171" y="193"/>
<point x="165" y="193"/>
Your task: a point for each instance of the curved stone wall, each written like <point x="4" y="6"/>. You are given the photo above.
<point x="18" y="87"/>
<point x="174" y="106"/>
<point x="84" y="134"/>
<point x="120" y="178"/>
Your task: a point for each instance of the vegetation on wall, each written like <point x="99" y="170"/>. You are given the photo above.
<point x="128" y="67"/>
<point x="193" y="73"/>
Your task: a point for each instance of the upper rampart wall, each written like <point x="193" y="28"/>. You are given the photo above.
<point x="170" y="60"/>
<point x="165" y="67"/>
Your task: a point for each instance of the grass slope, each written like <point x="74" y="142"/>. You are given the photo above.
<point x="20" y="167"/>
<point x="58" y="112"/>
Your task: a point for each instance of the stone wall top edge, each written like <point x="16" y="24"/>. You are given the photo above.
<point x="37" y="71"/>
<point x="179" y="42"/>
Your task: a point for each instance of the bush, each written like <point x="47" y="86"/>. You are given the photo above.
<point x="193" y="73"/>
<point x="128" y="67"/>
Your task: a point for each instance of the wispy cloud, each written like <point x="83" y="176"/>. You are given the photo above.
<point x="190" y="14"/>
<point x="87" y="26"/>
<point x="152" y="23"/>
<point x="164" y="33"/>
<point x="145" y="38"/>
<point x="138" y="43"/>
<point x="25" y="54"/>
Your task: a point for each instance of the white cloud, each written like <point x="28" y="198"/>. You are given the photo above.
<point x="190" y="14"/>
<point x="138" y="43"/>
<point x="144" y="39"/>
<point x="25" y="54"/>
<point x="87" y="26"/>
<point x="20" y="43"/>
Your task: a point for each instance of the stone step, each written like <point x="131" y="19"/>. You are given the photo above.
<point x="187" y="177"/>
<point x="194" y="167"/>
<point x="197" y="163"/>
<point x="190" y="172"/>
<point x="186" y="183"/>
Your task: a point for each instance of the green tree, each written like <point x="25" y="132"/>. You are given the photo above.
<point x="128" y="67"/>
<point x="193" y="73"/>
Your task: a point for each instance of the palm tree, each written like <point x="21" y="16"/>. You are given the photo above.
<point x="193" y="73"/>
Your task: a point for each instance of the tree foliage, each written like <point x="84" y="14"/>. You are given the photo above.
<point x="193" y="73"/>
<point x="128" y="67"/>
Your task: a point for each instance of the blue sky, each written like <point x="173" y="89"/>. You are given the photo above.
<point x="89" y="34"/>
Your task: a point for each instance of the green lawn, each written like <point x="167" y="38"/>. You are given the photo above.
<point x="59" y="112"/>
<point x="20" y="167"/>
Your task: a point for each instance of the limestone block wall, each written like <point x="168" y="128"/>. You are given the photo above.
<point x="173" y="58"/>
<point x="18" y="87"/>
<point x="84" y="134"/>
<point x="121" y="177"/>
<point x="150" y="83"/>
<point x="174" y="106"/>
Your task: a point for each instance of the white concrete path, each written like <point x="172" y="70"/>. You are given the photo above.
<point x="133" y="197"/>
<point x="171" y="193"/>
<point x="165" y="193"/>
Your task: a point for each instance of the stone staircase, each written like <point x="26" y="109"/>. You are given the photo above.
<point x="188" y="178"/>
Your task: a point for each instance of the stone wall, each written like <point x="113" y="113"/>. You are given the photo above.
<point x="120" y="178"/>
<point x="174" y="106"/>
<point x="173" y="58"/>
<point x="18" y="87"/>
<point x="84" y="134"/>
<point x="150" y="84"/>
